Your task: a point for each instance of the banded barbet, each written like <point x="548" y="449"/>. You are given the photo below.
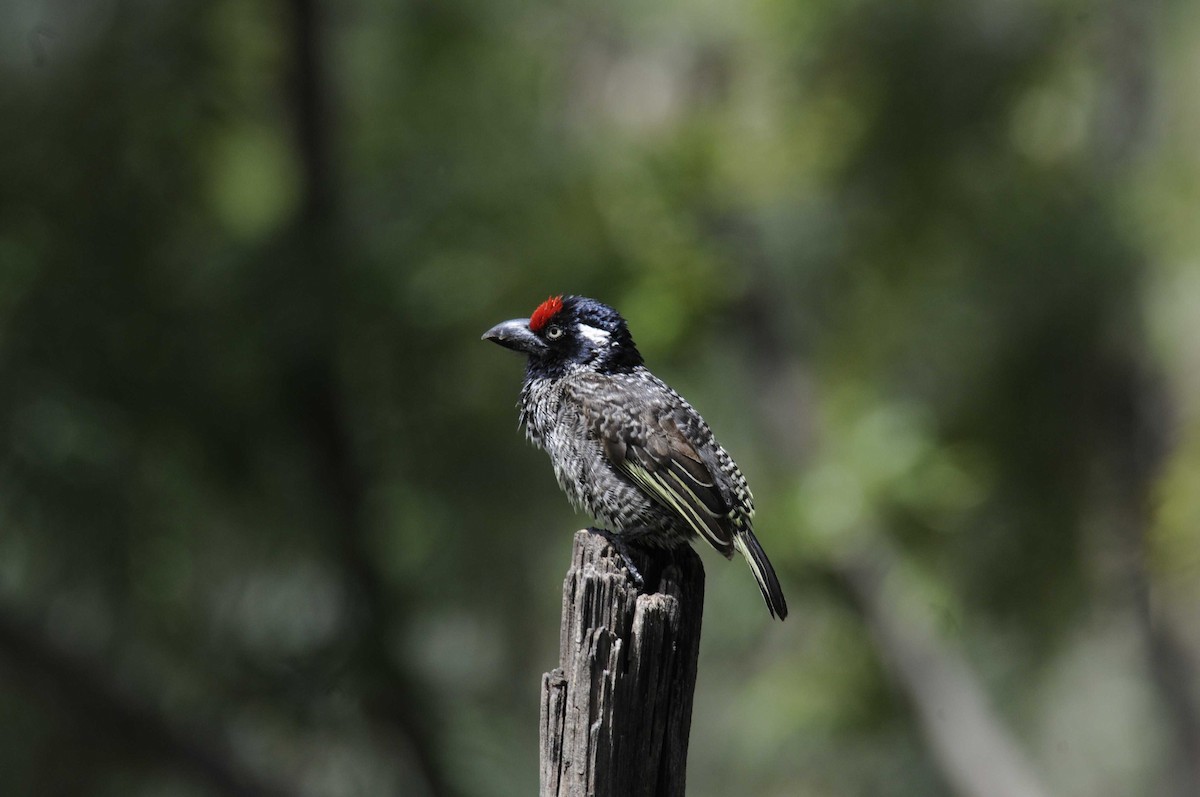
<point x="626" y="448"/>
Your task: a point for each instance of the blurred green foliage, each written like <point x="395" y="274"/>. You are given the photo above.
<point x="929" y="269"/>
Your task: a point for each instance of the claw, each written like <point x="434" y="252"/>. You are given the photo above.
<point x="622" y="550"/>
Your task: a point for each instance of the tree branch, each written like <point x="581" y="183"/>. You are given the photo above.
<point x="971" y="745"/>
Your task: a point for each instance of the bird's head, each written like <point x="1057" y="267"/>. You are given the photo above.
<point x="566" y="331"/>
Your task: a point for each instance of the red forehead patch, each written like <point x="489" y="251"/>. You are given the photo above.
<point x="544" y="312"/>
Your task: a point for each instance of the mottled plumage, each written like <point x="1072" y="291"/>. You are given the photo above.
<point x="626" y="448"/>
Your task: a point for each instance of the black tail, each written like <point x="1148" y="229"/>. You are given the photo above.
<point x="768" y="583"/>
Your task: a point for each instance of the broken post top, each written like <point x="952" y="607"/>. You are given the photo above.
<point x="598" y="591"/>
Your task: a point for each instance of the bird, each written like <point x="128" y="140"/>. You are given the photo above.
<point x="626" y="448"/>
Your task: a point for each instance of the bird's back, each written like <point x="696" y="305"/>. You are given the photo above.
<point x="611" y="435"/>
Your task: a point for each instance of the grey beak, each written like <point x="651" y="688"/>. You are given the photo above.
<point x="515" y="335"/>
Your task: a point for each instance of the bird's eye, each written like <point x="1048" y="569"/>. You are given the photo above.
<point x="554" y="332"/>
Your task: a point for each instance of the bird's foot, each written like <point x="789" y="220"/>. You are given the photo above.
<point x="622" y="549"/>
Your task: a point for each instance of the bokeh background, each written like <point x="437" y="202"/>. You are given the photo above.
<point x="930" y="268"/>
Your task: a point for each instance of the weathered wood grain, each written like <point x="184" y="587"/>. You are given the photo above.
<point x="616" y="712"/>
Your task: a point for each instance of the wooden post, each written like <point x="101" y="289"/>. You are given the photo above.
<point x="617" y="711"/>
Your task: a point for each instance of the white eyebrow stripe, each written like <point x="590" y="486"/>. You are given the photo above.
<point x="594" y="334"/>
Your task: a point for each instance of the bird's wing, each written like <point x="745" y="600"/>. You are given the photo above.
<point x="650" y="446"/>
